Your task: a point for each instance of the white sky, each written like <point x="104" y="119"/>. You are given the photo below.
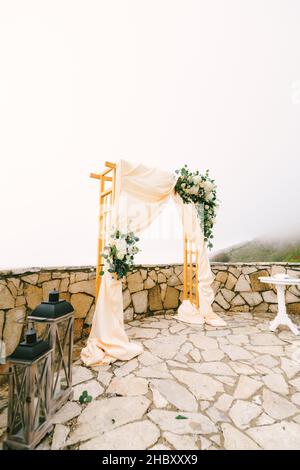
<point x="214" y="84"/>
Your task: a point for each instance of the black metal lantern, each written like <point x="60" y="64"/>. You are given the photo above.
<point x="59" y="319"/>
<point x="29" y="414"/>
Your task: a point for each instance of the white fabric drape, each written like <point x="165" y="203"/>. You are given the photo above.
<point x="191" y="227"/>
<point x="141" y="194"/>
<point x="108" y="340"/>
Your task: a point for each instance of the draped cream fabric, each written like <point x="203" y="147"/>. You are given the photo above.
<point x="108" y="340"/>
<point x="141" y="194"/>
<point x="191" y="227"/>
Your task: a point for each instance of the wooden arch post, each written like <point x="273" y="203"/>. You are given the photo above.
<point x="190" y="272"/>
<point x="107" y="181"/>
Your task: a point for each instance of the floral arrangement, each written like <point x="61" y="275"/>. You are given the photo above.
<point x="119" y="253"/>
<point x="200" y="190"/>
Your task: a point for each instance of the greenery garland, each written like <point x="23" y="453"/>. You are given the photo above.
<point x="199" y="189"/>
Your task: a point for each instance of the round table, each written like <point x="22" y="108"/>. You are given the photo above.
<point x="282" y="316"/>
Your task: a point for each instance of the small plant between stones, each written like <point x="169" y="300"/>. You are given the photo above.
<point x="85" y="397"/>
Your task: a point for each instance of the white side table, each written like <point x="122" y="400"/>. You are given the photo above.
<point x="282" y="316"/>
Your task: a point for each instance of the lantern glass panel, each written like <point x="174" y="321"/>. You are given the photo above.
<point x="40" y="408"/>
<point x="28" y="406"/>
<point x="60" y="334"/>
<point x="18" y="400"/>
<point x="61" y="360"/>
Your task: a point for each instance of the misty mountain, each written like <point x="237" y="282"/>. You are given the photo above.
<point x="268" y="250"/>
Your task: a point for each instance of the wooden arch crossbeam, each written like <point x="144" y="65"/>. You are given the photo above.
<point x="107" y="180"/>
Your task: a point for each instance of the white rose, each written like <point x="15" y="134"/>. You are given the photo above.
<point x="121" y="247"/>
<point x="209" y="186"/>
<point x="121" y="254"/>
<point x="120" y="244"/>
<point x="193" y="190"/>
<point x="197" y="179"/>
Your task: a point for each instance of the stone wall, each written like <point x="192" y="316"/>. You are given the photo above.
<point x="22" y="290"/>
<point x="238" y="289"/>
<point x="146" y="290"/>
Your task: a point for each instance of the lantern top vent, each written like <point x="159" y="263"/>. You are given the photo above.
<point x="53" y="307"/>
<point x="31" y="348"/>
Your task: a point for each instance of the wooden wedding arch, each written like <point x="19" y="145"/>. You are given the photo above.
<point x="107" y="180"/>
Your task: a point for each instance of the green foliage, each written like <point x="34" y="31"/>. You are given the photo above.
<point x="221" y="257"/>
<point x="85" y="397"/>
<point x="181" y="417"/>
<point x="119" y="253"/>
<point x="201" y="191"/>
<point x="261" y="251"/>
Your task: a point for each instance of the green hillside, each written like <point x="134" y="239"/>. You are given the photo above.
<point x="261" y="250"/>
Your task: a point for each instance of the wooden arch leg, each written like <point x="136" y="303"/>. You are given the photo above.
<point x="107" y="180"/>
<point x="190" y="272"/>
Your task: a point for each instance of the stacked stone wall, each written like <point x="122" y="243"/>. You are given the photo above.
<point x="147" y="290"/>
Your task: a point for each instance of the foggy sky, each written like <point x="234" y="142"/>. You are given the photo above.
<point x="214" y="84"/>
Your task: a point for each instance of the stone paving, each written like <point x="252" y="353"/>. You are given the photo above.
<point x="194" y="387"/>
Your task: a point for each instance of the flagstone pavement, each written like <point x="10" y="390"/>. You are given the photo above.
<point x="194" y="387"/>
